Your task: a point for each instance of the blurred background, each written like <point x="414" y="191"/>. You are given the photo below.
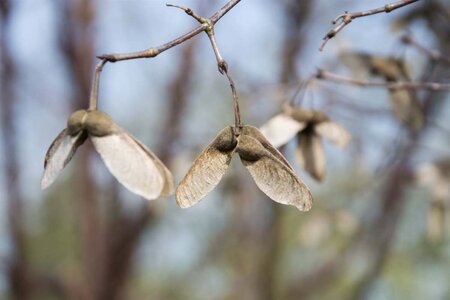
<point x="373" y="232"/>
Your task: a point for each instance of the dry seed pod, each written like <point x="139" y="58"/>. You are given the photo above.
<point x="407" y="108"/>
<point x="436" y="177"/>
<point x="131" y="162"/>
<point x="281" y="129"/>
<point x="269" y="169"/>
<point x="404" y="103"/>
<point x="207" y="170"/>
<point x="59" y="155"/>
<point x="312" y="125"/>
<point x="272" y="176"/>
<point x="255" y="133"/>
<point x="310" y="155"/>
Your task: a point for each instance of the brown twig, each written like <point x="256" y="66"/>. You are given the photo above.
<point x="154" y="51"/>
<point x="432" y="53"/>
<point x="345" y="18"/>
<point x="93" y="99"/>
<point x="222" y="65"/>
<point x="433" y="86"/>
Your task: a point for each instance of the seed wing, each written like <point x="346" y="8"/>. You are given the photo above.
<point x="310" y="155"/>
<point x="59" y="154"/>
<point x="169" y="187"/>
<point x="255" y="133"/>
<point x="130" y="163"/>
<point x="281" y="129"/>
<point x="334" y="132"/>
<point x="406" y="107"/>
<point x="272" y="176"/>
<point x="207" y="170"/>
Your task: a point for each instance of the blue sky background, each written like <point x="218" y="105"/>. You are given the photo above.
<point x="133" y="93"/>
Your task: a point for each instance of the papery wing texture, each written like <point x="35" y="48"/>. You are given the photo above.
<point x="334" y="132"/>
<point x="281" y="129"/>
<point x="255" y="133"/>
<point x="310" y="155"/>
<point x="272" y="176"/>
<point x="130" y="163"/>
<point x="59" y="154"/>
<point x="169" y="186"/>
<point x="406" y="107"/>
<point x="207" y="170"/>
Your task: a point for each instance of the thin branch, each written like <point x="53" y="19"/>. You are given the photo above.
<point x="432" y="53"/>
<point x="433" y="86"/>
<point x="93" y="100"/>
<point x="345" y="18"/>
<point x="189" y="12"/>
<point x="152" y="52"/>
<point x="221" y="63"/>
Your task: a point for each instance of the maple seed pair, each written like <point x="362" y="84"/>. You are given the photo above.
<point x="130" y="161"/>
<point x="309" y="126"/>
<point x="139" y="170"/>
<point x="269" y="169"/>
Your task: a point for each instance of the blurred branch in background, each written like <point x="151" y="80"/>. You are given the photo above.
<point x="242" y="246"/>
<point x="272" y="242"/>
<point x="432" y="53"/>
<point x="434" y="86"/>
<point x="76" y="41"/>
<point x="19" y="275"/>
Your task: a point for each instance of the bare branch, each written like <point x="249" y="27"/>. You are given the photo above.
<point x="93" y="100"/>
<point x="345" y="18"/>
<point x="433" y="86"/>
<point x="222" y="65"/>
<point x="152" y="52"/>
<point x="189" y="12"/>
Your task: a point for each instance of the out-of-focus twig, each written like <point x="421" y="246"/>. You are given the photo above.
<point x="267" y="281"/>
<point x="18" y="266"/>
<point x="432" y="53"/>
<point x="178" y="90"/>
<point x="76" y="45"/>
<point x="434" y="86"/>
<point x="345" y="18"/>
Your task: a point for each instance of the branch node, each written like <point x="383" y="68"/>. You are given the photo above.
<point x="152" y="52"/>
<point x="107" y="57"/>
<point x="389" y="7"/>
<point x="223" y="66"/>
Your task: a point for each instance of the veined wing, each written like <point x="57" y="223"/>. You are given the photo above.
<point x="207" y="170"/>
<point x="130" y="163"/>
<point x="59" y="154"/>
<point x="272" y="176"/>
<point x="281" y="129"/>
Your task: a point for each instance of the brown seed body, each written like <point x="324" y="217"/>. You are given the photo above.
<point x="98" y="123"/>
<point x="75" y="122"/>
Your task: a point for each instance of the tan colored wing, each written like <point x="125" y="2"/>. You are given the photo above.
<point x="272" y="176"/>
<point x="310" y="155"/>
<point x="334" y="132"/>
<point x="207" y="170"/>
<point x="130" y="163"/>
<point x="169" y="187"/>
<point x="281" y="129"/>
<point x="59" y="154"/>
<point x="255" y="133"/>
<point x="406" y="107"/>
